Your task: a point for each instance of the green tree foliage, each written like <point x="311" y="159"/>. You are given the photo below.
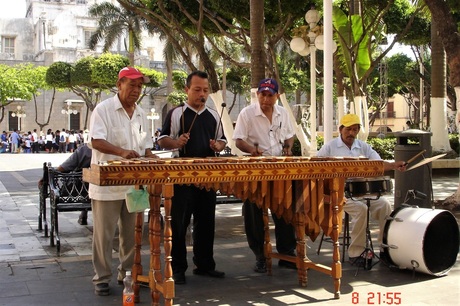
<point x="239" y="83"/>
<point x="23" y="82"/>
<point x="179" y="78"/>
<point x="90" y="76"/>
<point x="14" y="84"/>
<point x="178" y="95"/>
<point x="58" y="75"/>
<point x="196" y="22"/>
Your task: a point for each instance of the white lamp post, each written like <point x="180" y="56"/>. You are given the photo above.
<point x="19" y="113"/>
<point x="153" y="116"/>
<point x="305" y="41"/>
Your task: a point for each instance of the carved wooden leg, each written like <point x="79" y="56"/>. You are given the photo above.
<point x="336" y="272"/>
<point x="168" y="281"/>
<point x="137" y="266"/>
<point x="299" y="224"/>
<point x="155" y="241"/>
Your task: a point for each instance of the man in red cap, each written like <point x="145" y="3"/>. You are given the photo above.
<point x="345" y="146"/>
<point x="119" y="129"/>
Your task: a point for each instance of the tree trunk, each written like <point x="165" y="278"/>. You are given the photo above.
<point x="439" y="139"/>
<point x="257" y="42"/>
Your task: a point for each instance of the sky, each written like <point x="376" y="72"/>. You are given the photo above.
<point x="12" y="8"/>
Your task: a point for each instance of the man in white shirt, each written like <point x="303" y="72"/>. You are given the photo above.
<point x="35" y="146"/>
<point x="63" y="141"/>
<point x="264" y="128"/>
<point x="119" y="130"/>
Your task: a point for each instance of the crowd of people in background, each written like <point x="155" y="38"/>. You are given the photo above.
<point x="59" y="141"/>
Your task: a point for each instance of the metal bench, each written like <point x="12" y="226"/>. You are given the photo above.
<point x="67" y="192"/>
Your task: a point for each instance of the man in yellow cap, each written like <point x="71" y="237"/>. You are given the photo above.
<point x="348" y="146"/>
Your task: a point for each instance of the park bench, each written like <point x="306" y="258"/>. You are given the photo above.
<point x="66" y="192"/>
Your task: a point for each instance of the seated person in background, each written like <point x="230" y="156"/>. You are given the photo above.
<point x="347" y="145"/>
<point x="80" y="158"/>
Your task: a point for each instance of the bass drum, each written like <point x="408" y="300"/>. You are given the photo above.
<point x="423" y="239"/>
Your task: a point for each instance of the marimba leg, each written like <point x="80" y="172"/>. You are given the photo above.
<point x="299" y="224"/>
<point x="167" y="285"/>
<point x="336" y="272"/>
<point x="137" y="266"/>
<point x="155" y="241"/>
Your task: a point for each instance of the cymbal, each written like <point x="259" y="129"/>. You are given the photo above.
<point x="425" y="161"/>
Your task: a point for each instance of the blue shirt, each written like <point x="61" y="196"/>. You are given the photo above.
<point x="14" y="138"/>
<point x="337" y="148"/>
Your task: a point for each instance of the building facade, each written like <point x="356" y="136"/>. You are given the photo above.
<point x="59" y="30"/>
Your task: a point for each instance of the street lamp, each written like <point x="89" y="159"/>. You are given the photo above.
<point x="153" y="116"/>
<point x="306" y="40"/>
<point x="19" y="113"/>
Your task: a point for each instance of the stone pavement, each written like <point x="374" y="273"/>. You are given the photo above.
<point x="32" y="273"/>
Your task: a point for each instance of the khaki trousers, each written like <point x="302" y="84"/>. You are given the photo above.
<point x="106" y="216"/>
<point x="357" y="209"/>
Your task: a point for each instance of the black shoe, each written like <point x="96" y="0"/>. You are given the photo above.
<point x="210" y="273"/>
<point x="260" y="266"/>
<point x="179" y="278"/>
<point x="102" y="289"/>
<point x="82" y="221"/>
<point x="287" y="264"/>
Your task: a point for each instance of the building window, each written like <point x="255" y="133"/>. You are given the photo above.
<point x="13" y="122"/>
<point x="74" y="122"/>
<point x="8" y="45"/>
<point x="88" y="34"/>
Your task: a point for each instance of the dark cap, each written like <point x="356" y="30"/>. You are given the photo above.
<point x="268" y="84"/>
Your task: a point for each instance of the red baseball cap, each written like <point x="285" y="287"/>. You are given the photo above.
<point x="132" y="73"/>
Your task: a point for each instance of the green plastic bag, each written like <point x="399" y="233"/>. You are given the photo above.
<point x="137" y="200"/>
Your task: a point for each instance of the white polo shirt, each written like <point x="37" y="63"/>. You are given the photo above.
<point x="253" y="126"/>
<point x="109" y="121"/>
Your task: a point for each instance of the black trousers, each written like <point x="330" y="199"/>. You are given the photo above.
<point x="254" y="226"/>
<point x="188" y="201"/>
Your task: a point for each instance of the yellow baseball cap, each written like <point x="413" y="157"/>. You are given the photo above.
<point x="349" y="120"/>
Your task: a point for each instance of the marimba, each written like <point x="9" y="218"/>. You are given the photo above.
<point x="265" y="181"/>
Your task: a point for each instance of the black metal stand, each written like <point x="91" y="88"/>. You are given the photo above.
<point x="368" y="252"/>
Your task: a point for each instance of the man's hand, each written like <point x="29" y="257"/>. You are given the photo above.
<point x="216" y="146"/>
<point x="182" y="140"/>
<point x="128" y="154"/>
<point x="400" y="165"/>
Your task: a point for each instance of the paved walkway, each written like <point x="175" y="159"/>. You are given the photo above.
<point x="32" y="273"/>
